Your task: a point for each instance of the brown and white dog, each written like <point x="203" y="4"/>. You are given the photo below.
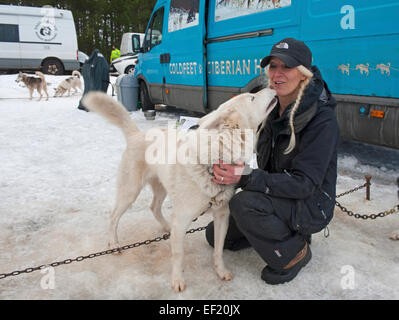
<point x="33" y="83"/>
<point x="66" y="85"/>
<point x="182" y="180"/>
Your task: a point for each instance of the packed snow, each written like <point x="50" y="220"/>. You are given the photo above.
<point x="57" y="186"/>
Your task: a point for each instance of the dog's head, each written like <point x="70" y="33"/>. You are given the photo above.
<point x="245" y="111"/>
<point x="60" y="90"/>
<point x="20" y="77"/>
<point x="233" y="124"/>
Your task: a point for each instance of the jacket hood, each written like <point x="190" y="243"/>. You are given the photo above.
<point x="94" y="55"/>
<point x="317" y="90"/>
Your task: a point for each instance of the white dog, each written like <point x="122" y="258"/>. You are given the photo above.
<point x="188" y="180"/>
<point x="66" y="85"/>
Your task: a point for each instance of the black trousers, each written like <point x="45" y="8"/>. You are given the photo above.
<point x="264" y="223"/>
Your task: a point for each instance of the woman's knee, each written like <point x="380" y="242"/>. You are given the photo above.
<point x="237" y="204"/>
<point x="245" y="202"/>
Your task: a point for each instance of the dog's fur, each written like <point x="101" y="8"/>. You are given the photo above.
<point x="33" y="83"/>
<point x="180" y="181"/>
<point x="394" y="235"/>
<point x="66" y="85"/>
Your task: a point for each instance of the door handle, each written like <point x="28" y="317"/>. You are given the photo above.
<point x="165" y="58"/>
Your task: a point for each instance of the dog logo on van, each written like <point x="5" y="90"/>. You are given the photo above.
<point x="45" y="31"/>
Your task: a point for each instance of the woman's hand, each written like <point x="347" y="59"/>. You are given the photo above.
<point x="227" y="173"/>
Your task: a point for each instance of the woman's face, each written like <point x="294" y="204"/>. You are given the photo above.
<point x="284" y="80"/>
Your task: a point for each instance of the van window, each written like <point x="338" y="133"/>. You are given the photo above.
<point x="9" y="33"/>
<point x="183" y="14"/>
<point x="227" y="9"/>
<point x="153" y="36"/>
<point x="136" y="43"/>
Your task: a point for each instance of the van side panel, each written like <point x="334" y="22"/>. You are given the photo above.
<point x="38" y="43"/>
<point x="237" y="44"/>
<point x="355" y="44"/>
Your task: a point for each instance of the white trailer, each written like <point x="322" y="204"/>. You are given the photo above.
<point x="37" y="39"/>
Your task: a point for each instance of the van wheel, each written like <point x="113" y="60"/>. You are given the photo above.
<point x="53" y="67"/>
<point x="144" y="98"/>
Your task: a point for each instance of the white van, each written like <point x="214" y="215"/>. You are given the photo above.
<point x="37" y="38"/>
<point x="130" y="47"/>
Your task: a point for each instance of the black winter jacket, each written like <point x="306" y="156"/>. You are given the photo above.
<point x="308" y="174"/>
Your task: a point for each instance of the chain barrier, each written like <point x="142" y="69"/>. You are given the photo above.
<point x="166" y="236"/>
<point x="364" y="216"/>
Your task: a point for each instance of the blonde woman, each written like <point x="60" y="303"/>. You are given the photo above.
<point x="292" y="193"/>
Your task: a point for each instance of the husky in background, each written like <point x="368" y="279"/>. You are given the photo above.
<point x="73" y="82"/>
<point x="33" y="83"/>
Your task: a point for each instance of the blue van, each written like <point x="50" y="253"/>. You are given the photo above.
<point x="199" y="53"/>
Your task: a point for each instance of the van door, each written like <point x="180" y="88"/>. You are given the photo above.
<point x="183" y="58"/>
<point x="10" y="57"/>
<point x="240" y="34"/>
<point x="150" y="60"/>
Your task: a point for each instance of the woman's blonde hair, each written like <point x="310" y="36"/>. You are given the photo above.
<point x="309" y="75"/>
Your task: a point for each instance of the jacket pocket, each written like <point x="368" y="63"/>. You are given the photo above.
<point x="314" y="214"/>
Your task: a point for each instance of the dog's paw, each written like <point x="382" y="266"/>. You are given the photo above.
<point x="178" y="285"/>
<point x="222" y="271"/>
<point x="394" y="235"/>
<point x="224" y="274"/>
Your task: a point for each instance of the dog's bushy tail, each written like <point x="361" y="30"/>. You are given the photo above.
<point x="76" y="73"/>
<point x="112" y="110"/>
<point x="41" y="75"/>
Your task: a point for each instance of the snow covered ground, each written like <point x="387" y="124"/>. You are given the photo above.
<point x="57" y="184"/>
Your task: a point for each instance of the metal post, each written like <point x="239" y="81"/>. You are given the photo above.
<point x="368" y="184"/>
